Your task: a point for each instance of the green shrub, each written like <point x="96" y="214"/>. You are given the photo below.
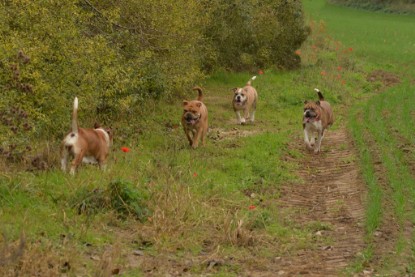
<point x="251" y="34"/>
<point x="120" y="196"/>
<point x="114" y="55"/>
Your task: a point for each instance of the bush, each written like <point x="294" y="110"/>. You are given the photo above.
<point x="120" y="196"/>
<point x="114" y="55"/>
<point x="251" y="34"/>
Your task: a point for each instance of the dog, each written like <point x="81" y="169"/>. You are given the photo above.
<point x="245" y="99"/>
<point x="87" y="145"/>
<point x="317" y="117"/>
<point x="195" y="119"/>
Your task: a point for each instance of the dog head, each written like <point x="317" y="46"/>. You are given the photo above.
<point x="311" y="111"/>
<point x="191" y="111"/>
<point x="240" y="96"/>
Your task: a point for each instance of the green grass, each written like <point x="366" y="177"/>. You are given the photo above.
<point x="381" y="125"/>
<point x="195" y="199"/>
<point x="377" y="39"/>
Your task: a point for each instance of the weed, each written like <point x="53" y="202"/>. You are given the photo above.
<point x="120" y="196"/>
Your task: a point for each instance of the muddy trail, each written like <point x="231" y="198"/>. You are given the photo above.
<point x="330" y="201"/>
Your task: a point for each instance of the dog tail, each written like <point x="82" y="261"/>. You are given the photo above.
<point x="250" y="80"/>
<point x="75" y="116"/>
<point x="200" y="95"/>
<point x="320" y="95"/>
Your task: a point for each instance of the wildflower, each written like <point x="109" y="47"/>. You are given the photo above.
<point x="350" y="49"/>
<point x="125" y="149"/>
<point x="339" y="68"/>
<point x="343" y="82"/>
<point x="260" y="72"/>
<point x="298" y="52"/>
<point x="323" y="73"/>
<point x="194" y="174"/>
<point x="252" y="207"/>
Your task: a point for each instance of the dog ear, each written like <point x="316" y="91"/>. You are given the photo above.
<point x="198" y="104"/>
<point x="318" y="103"/>
<point x="305" y="101"/>
<point x="185" y="102"/>
<point x="96" y="125"/>
<point x="234" y="90"/>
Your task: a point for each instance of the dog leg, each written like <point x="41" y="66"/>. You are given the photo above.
<point x="196" y="138"/>
<point x="240" y="119"/>
<point x="252" y="119"/>
<point x="77" y="161"/>
<point x="246" y="114"/>
<point x="318" y="144"/>
<point x="312" y="140"/>
<point x="306" y="139"/>
<point x="102" y="165"/>
<point x="189" y="138"/>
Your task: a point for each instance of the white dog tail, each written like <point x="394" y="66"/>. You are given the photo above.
<point x="249" y="82"/>
<point x="320" y="95"/>
<point x="75" y="116"/>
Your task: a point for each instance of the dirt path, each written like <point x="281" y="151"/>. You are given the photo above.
<point x="330" y="201"/>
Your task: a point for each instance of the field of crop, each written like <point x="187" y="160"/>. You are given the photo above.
<point x="252" y="201"/>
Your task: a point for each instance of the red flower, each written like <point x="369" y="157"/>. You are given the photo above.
<point x="125" y="149"/>
<point x="260" y="72"/>
<point x="194" y="174"/>
<point x="298" y="52"/>
<point x="252" y="207"/>
<point x="350" y="49"/>
<point x="339" y="68"/>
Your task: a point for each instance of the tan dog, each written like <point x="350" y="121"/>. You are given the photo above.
<point x="245" y="99"/>
<point x="195" y="119"/>
<point x="317" y="117"/>
<point x="85" y="145"/>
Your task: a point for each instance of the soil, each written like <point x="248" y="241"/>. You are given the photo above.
<point x="331" y="198"/>
<point x="388" y="79"/>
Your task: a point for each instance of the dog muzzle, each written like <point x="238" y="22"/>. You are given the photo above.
<point x="309" y="116"/>
<point x="239" y="102"/>
<point x="191" y="119"/>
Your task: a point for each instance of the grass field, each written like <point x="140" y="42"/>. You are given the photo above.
<point x="164" y="208"/>
<point x="383" y="128"/>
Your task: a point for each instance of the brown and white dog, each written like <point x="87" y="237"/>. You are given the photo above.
<point x="317" y="117"/>
<point x="195" y="119"/>
<point x="85" y="145"/>
<point x="245" y="99"/>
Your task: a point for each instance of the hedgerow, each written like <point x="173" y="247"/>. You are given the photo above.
<point x="115" y="54"/>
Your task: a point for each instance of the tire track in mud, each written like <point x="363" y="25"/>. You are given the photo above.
<point x="331" y="197"/>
